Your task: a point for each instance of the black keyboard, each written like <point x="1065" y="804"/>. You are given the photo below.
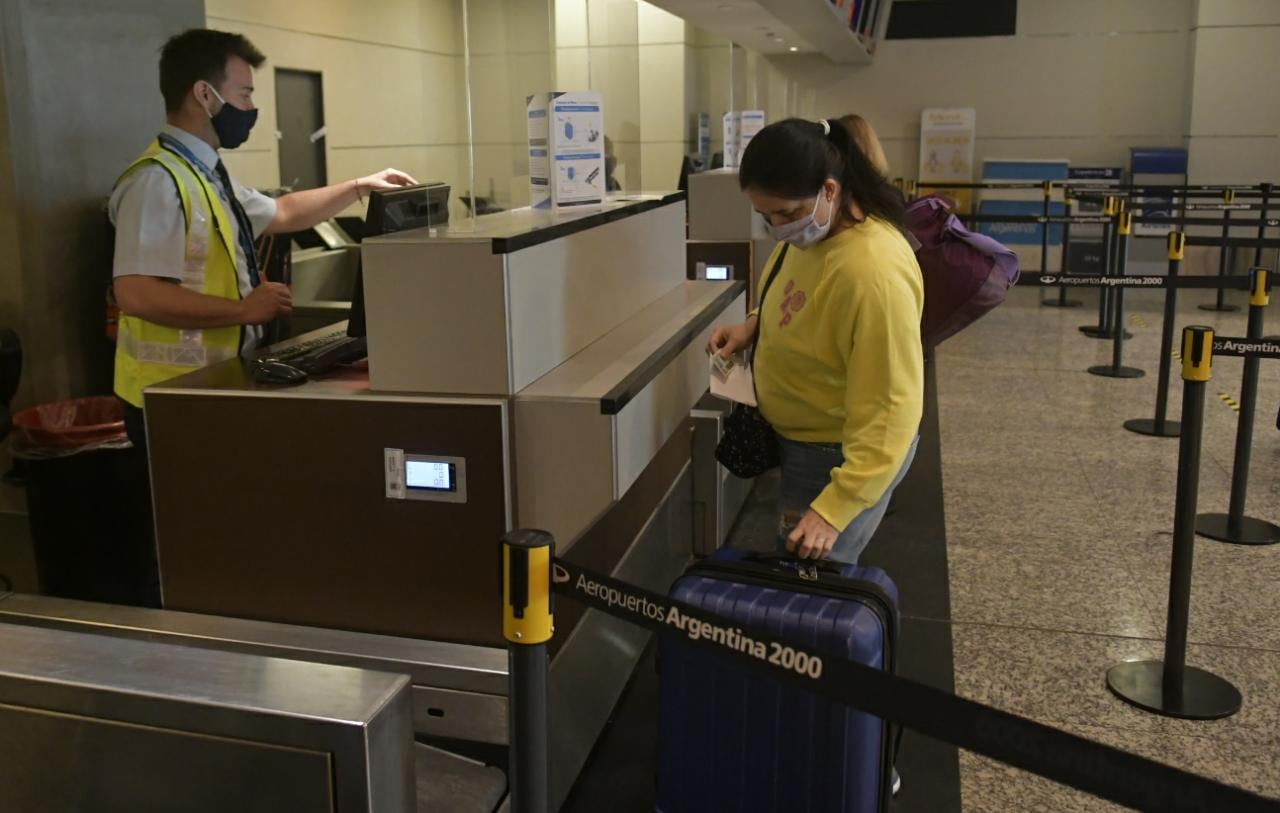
<point x="323" y="353"/>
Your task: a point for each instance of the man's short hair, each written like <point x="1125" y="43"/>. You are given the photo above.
<point x="200" y="54"/>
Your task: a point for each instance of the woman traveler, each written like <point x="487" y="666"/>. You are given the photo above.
<point x="864" y="135"/>
<point x="838" y="359"/>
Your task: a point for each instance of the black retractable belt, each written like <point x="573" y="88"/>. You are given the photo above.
<point x="1090" y="766"/>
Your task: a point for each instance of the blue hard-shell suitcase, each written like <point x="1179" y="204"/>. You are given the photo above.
<point x="733" y="739"/>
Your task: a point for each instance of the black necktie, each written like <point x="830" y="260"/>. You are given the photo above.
<point x="244" y="228"/>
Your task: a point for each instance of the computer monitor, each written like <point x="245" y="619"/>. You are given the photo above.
<point x="689" y="165"/>
<point x="409" y="207"/>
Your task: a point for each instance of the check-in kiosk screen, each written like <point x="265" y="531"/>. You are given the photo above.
<point x="430" y="475"/>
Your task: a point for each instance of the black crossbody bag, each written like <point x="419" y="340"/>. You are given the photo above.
<point x="749" y="446"/>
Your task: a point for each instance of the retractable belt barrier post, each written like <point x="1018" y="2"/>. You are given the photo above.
<point x="1062" y="301"/>
<point x="1159" y="426"/>
<point x="1116" y="369"/>
<point x="527" y="624"/>
<point x="1110" y="210"/>
<point x="1092" y="767"/>
<point x="1234" y="526"/>
<point x="1226" y="254"/>
<point x="1170" y="687"/>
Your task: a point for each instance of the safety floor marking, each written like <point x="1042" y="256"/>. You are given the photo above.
<point x="1177" y="354"/>
<point x="1137" y="319"/>
<point x="1229" y="401"/>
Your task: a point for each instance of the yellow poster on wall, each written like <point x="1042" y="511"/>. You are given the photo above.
<point x="946" y="152"/>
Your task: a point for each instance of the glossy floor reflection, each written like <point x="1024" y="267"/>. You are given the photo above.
<point x="1059" y="530"/>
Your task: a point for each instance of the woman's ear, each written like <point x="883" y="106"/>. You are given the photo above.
<point x="831" y="189"/>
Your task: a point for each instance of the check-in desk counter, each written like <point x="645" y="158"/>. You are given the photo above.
<point x="550" y="365"/>
<point x="725" y="230"/>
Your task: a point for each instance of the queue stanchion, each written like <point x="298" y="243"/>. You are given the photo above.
<point x="527" y="624"/>
<point x="1045" y="211"/>
<point x="1234" y="527"/>
<point x="1062" y="301"/>
<point x="1100" y="331"/>
<point x="1116" y="369"/>
<point x="1225" y="254"/>
<point x="1262" y="223"/>
<point x="1170" y="687"/>
<point x="1160" y="426"/>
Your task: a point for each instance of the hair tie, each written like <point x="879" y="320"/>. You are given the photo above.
<point x="826" y="127"/>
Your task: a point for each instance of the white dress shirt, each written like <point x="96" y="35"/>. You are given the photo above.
<point x="151" y="231"/>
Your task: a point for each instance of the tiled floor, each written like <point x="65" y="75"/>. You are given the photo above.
<point x="1059" y="531"/>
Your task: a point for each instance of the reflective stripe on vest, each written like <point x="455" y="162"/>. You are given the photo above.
<point x="147" y="353"/>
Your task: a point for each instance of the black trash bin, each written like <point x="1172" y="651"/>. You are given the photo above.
<point x="88" y="502"/>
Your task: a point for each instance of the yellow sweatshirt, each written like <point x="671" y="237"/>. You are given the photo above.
<point x="839" y="358"/>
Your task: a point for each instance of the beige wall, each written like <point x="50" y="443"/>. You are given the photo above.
<point x="1234" y="134"/>
<point x="391" y="74"/>
<point x="1084" y="80"/>
<point x="80" y="100"/>
<point x="645" y="62"/>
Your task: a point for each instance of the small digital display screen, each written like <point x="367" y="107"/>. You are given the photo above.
<point x="430" y="475"/>
<point x="719" y="272"/>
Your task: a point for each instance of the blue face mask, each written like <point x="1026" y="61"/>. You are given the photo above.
<point x="231" y="123"/>
<point x="805" y="232"/>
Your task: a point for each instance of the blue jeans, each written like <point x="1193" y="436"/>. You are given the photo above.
<point x="806" y="471"/>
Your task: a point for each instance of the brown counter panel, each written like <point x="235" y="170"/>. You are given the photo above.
<point x="274" y="509"/>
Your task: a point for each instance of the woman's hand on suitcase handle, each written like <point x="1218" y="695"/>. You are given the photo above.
<point x="729" y="339"/>
<point x="812" y="538"/>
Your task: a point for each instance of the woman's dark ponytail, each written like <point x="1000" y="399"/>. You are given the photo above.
<point x="792" y="158"/>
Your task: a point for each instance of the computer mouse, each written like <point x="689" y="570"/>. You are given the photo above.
<point x="270" y="371"/>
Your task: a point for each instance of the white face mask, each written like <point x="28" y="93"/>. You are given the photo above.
<point x="805" y="232"/>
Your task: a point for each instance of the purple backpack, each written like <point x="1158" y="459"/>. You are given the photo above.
<point x="965" y="274"/>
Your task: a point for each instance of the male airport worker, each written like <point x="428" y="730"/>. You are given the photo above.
<point x="186" y="276"/>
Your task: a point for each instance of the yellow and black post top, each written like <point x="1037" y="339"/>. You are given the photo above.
<point x="1048" y="189"/>
<point x="1109" y="206"/>
<point x="1259" y="287"/>
<point x="526" y="586"/>
<point x="912" y="188"/>
<point x="1126" y="223"/>
<point x="1228" y="196"/>
<point x="1197" y="353"/>
<point x="1177" y="245"/>
<point x="898" y="183"/>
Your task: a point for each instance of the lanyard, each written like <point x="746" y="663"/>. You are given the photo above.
<point x="174" y="145"/>
<point x="244" y="233"/>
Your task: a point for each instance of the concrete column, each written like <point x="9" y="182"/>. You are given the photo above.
<point x="79" y="99"/>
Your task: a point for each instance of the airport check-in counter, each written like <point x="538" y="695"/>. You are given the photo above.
<point x="533" y="371"/>
<point x="726" y="236"/>
<point x="322" y="279"/>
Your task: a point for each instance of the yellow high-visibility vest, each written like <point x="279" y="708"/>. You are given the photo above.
<point x="147" y="353"/>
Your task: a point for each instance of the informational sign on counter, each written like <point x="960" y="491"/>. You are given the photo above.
<point x="946" y="150"/>
<point x="566" y="150"/>
<point x="740" y="126"/>
<point x="704" y="139"/>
